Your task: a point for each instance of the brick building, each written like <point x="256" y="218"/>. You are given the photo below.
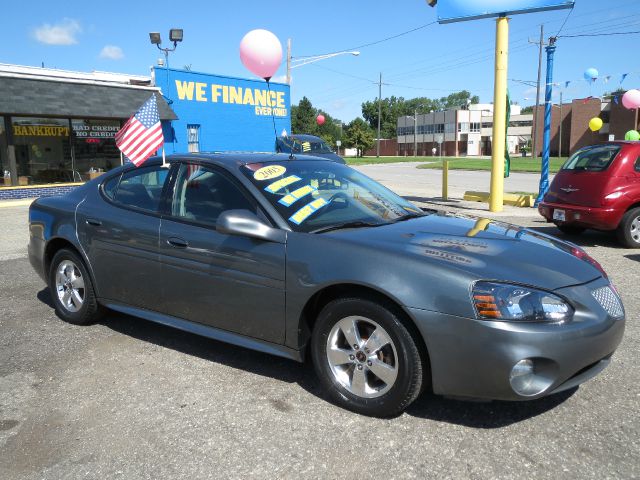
<point x="574" y="129"/>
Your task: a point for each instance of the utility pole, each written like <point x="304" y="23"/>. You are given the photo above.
<point x="415" y="132"/>
<point x="546" y="138"/>
<point x="379" y="112"/>
<point x="560" y="129"/>
<point x="288" y="61"/>
<point x="535" y="114"/>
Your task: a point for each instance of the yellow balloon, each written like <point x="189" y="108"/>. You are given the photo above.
<point x="595" y="124"/>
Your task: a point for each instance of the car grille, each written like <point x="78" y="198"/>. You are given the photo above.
<point x="609" y="301"/>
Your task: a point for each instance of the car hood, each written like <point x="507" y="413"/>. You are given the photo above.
<point x="482" y="248"/>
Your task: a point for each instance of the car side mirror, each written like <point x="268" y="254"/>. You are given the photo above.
<point x="247" y="224"/>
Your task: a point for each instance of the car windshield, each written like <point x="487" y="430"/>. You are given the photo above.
<point x="295" y="145"/>
<point x="319" y="195"/>
<point x="594" y="159"/>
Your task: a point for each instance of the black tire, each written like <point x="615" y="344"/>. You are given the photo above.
<point x="570" y="229"/>
<point x="407" y="362"/>
<point x="89" y="310"/>
<point x="629" y="229"/>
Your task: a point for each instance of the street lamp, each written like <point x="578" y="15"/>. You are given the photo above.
<point x="415" y="130"/>
<point x="295" y="62"/>
<point x="175" y="36"/>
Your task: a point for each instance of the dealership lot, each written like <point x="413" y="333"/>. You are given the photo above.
<point x="130" y="399"/>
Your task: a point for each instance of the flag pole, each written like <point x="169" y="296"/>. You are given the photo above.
<point x="164" y="160"/>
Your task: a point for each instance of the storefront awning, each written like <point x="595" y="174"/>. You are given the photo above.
<point x="36" y="97"/>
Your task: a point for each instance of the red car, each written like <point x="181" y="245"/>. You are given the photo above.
<point x="598" y="188"/>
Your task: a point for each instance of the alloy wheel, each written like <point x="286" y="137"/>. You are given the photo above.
<point x="70" y="286"/>
<point x="362" y="357"/>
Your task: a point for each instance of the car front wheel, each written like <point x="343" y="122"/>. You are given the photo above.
<point x="629" y="229"/>
<point x="366" y="358"/>
<point x="72" y="289"/>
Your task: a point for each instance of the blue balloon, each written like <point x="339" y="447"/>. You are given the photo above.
<point x="590" y="74"/>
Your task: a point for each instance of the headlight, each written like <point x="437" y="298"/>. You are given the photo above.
<point x="501" y="301"/>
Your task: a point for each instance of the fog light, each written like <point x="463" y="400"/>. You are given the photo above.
<point x="526" y="380"/>
<point x="576" y="216"/>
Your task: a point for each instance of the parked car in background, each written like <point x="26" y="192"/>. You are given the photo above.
<point x="307" y="145"/>
<point x="289" y="256"/>
<point x="598" y="187"/>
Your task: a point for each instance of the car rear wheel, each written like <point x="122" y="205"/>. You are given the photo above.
<point x="570" y="229"/>
<point x="629" y="229"/>
<point x="72" y="289"/>
<point x="366" y="358"/>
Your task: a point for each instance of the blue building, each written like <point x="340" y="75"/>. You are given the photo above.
<point x="220" y="113"/>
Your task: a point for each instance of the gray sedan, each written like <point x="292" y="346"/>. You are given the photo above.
<point x="311" y="259"/>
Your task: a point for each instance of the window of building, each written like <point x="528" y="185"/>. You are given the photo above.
<point x="4" y="163"/>
<point x="94" y="146"/>
<point x="43" y="150"/>
<point x="449" y="128"/>
<point x="487" y="124"/>
<point x="463" y="127"/>
<point x="202" y="194"/>
<point x="193" y="138"/>
<point x="474" y="127"/>
<point x="438" y="128"/>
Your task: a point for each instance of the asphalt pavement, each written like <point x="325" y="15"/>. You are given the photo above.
<point x="129" y="399"/>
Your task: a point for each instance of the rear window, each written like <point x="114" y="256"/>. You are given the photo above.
<point x="594" y="159"/>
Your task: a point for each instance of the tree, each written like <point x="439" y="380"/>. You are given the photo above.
<point x="528" y="109"/>
<point x="303" y="117"/>
<point x="358" y="135"/>
<point x="303" y="121"/>
<point x="393" y="108"/>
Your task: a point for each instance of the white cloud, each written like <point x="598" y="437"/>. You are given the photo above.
<point x="279" y="79"/>
<point x="111" y="52"/>
<point x="61" y="33"/>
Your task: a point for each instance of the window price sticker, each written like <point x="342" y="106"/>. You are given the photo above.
<point x="306" y="211"/>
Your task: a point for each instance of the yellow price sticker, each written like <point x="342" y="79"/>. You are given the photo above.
<point x="283" y="182"/>
<point x="269" y="172"/>
<point x="296" y="195"/>
<point x="306" y="211"/>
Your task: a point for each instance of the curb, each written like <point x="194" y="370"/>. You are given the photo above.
<point x="16" y="203"/>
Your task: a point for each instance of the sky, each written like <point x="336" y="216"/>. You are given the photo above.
<point x="433" y="60"/>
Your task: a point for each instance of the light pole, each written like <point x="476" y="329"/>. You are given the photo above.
<point x="295" y="62"/>
<point x="175" y="36"/>
<point x="415" y="130"/>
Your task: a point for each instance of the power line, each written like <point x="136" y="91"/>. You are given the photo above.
<point x="600" y="34"/>
<point x="386" y="39"/>
<point x="565" y="21"/>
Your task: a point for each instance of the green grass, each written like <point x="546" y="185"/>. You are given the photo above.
<point x="518" y="164"/>
<point x="375" y="160"/>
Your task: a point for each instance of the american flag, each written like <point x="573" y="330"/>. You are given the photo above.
<point x="141" y="136"/>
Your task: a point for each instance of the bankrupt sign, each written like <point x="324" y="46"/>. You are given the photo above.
<point x="40" y="131"/>
<point x="264" y="101"/>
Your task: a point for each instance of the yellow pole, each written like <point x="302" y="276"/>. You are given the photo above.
<point x="499" y="115"/>
<point x="445" y="179"/>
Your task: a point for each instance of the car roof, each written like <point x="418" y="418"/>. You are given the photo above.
<point x="230" y="159"/>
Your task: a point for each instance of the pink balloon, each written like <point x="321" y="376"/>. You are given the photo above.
<point x="631" y="99"/>
<point x="320" y="119"/>
<point x="261" y="53"/>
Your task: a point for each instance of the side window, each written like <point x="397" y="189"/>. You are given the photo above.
<point x="141" y="188"/>
<point x="201" y="194"/>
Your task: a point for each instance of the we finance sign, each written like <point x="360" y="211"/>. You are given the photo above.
<point x="262" y="100"/>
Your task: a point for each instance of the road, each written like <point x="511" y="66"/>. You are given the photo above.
<point x="405" y="179"/>
<point x="130" y="399"/>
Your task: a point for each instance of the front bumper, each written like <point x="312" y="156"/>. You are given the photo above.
<point x="599" y="218"/>
<point x="473" y="358"/>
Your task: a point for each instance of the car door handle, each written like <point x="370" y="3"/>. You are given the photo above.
<point x="94" y="222"/>
<point x="177" y="242"/>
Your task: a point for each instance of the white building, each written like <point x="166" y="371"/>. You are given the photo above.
<point x="460" y="132"/>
